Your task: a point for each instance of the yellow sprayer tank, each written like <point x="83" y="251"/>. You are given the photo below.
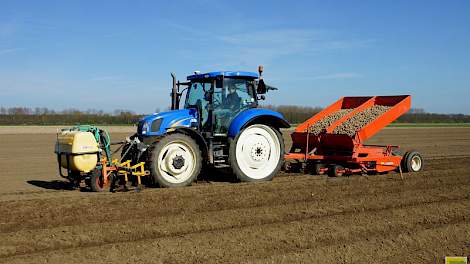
<point x="81" y="149"/>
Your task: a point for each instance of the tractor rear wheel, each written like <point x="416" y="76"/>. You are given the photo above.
<point x="175" y="161"/>
<point x="256" y="153"/>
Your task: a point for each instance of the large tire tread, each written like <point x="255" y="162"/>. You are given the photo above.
<point x="407" y="158"/>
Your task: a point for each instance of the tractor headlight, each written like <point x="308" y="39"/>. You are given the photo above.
<point x="155" y="127"/>
<point x="145" y="128"/>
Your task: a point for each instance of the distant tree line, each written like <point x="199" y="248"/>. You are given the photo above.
<point x="45" y="116"/>
<point x="433" y="118"/>
<point x="295" y="114"/>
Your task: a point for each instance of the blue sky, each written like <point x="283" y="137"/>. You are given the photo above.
<point x="118" y="54"/>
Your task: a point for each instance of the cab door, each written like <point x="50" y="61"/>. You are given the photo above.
<point x="233" y="97"/>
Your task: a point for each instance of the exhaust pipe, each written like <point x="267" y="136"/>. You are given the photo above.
<point x="174" y="93"/>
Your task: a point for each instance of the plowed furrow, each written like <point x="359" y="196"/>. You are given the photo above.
<point x="56" y="212"/>
<point x="277" y="237"/>
<point x="177" y="225"/>
<point x="423" y="246"/>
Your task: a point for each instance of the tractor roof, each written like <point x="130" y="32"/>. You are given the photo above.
<point x="252" y="75"/>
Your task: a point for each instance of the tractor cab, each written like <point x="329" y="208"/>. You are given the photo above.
<point x="219" y="97"/>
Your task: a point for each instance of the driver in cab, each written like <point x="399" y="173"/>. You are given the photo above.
<point x="232" y="101"/>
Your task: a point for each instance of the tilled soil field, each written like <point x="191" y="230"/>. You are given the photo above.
<point x="293" y="219"/>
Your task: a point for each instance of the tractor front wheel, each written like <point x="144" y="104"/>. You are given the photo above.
<point x="256" y="154"/>
<point x="175" y="161"/>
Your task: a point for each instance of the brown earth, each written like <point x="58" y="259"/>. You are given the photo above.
<point x="293" y="219"/>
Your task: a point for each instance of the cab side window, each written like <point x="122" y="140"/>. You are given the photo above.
<point x="196" y="98"/>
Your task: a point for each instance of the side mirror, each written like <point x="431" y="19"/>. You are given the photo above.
<point x="261" y="87"/>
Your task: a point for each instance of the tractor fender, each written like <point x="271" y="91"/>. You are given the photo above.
<point x="256" y="116"/>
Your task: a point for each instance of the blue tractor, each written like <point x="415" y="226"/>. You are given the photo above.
<point x="219" y="126"/>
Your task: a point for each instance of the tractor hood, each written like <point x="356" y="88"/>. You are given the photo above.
<point x="158" y="123"/>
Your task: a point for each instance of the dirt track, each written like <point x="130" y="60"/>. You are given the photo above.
<point x="295" y="218"/>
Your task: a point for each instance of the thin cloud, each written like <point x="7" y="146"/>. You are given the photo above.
<point x="273" y="42"/>
<point x="342" y="75"/>
<point x="266" y="45"/>
<point x="106" y="78"/>
<point x="269" y="45"/>
<point x="332" y="76"/>
<point x="12" y="50"/>
<point x="271" y="37"/>
<point x="348" y="44"/>
<point x="8" y="28"/>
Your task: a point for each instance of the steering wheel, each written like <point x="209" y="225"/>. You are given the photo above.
<point x="216" y="102"/>
<point x="236" y="106"/>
